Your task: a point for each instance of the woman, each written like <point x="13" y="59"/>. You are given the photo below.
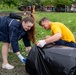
<point x="12" y="30"/>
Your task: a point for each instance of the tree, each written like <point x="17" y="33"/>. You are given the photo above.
<point x="63" y="2"/>
<point x="37" y="2"/>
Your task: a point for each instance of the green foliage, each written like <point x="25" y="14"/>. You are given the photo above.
<point x="73" y="1"/>
<point x="46" y="2"/>
<point x="63" y="2"/>
<point x="5" y="6"/>
<point x="16" y="3"/>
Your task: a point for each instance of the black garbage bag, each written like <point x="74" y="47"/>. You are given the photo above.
<point x="15" y="16"/>
<point x="38" y="63"/>
<point x="72" y="71"/>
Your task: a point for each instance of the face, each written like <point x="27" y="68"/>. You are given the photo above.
<point x="45" y="24"/>
<point x="27" y="26"/>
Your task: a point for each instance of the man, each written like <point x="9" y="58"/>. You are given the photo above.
<point x="61" y="35"/>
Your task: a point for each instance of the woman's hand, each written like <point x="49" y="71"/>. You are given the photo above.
<point x="28" y="49"/>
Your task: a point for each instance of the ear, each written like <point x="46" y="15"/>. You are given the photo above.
<point x="23" y="23"/>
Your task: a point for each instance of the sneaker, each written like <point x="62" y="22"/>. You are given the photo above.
<point x="7" y="66"/>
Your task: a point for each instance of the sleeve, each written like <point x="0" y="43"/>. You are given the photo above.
<point x="56" y="29"/>
<point x="14" y="39"/>
<point x="26" y="40"/>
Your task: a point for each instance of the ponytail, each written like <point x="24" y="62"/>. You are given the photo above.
<point x="32" y="15"/>
<point x="31" y="32"/>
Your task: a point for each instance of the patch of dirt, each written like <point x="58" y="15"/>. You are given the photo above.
<point x="18" y="70"/>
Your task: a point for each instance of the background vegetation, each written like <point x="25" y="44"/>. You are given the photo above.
<point x="16" y="3"/>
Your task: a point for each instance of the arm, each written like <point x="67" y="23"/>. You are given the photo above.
<point x="56" y="30"/>
<point x="53" y="38"/>
<point x="14" y="40"/>
<point x="14" y="43"/>
<point x="27" y="42"/>
<point x="48" y="36"/>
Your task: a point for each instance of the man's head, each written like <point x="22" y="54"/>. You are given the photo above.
<point x="45" y="23"/>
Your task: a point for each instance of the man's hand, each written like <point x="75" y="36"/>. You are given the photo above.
<point x="41" y="43"/>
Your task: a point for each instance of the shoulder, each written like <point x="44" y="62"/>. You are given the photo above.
<point x="3" y="17"/>
<point x="16" y="23"/>
<point x="58" y="23"/>
<point x="55" y="25"/>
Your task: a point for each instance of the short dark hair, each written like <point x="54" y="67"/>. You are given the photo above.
<point x="43" y="19"/>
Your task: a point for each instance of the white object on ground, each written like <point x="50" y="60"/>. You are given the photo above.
<point x="7" y="66"/>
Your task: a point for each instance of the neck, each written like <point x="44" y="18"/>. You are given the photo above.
<point x="49" y="25"/>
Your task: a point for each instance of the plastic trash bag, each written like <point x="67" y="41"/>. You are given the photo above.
<point x="72" y="71"/>
<point x="38" y="64"/>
